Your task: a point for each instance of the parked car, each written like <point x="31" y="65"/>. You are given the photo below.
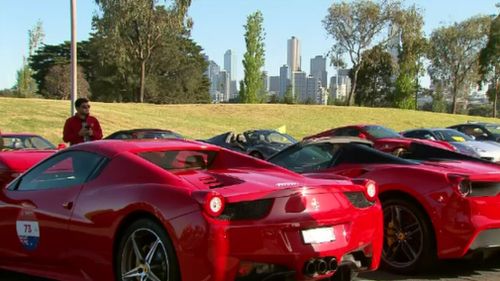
<point x="257" y="143"/>
<point x="384" y="139"/>
<point x="462" y="142"/>
<point x="20" y="152"/>
<point x="144" y="134"/>
<point x="480" y="131"/>
<point x="127" y="210"/>
<point x="437" y="204"/>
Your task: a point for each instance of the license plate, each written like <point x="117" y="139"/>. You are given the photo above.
<point x="318" y="235"/>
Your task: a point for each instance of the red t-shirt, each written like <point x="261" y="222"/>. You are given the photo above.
<point x="74" y="124"/>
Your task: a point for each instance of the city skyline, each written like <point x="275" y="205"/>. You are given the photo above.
<point x="20" y="16"/>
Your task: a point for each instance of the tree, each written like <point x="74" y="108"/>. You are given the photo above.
<point x="253" y="59"/>
<point x="131" y="31"/>
<point x="489" y="63"/>
<point x="454" y="53"/>
<point x="354" y="26"/>
<point x="413" y="47"/>
<point x="58" y="82"/>
<point x="25" y="85"/>
<point x="375" y="77"/>
<point x="438" y="102"/>
<point x="288" y="97"/>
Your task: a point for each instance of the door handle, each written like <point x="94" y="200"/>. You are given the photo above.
<point x="67" y="205"/>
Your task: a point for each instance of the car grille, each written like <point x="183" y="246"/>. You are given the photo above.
<point x="358" y="199"/>
<point x="480" y="189"/>
<point x="248" y="210"/>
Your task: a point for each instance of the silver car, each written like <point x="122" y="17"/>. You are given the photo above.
<point x="463" y="143"/>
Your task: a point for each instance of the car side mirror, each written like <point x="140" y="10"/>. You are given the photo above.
<point x="61" y="146"/>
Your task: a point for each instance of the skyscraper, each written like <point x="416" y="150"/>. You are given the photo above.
<point x="274" y="85"/>
<point x="230" y="64"/>
<point x="284" y="81"/>
<point x="293" y="56"/>
<point x="224" y="85"/>
<point x="312" y="88"/>
<point x="344" y="84"/>
<point x="299" y="85"/>
<point x="318" y="70"/>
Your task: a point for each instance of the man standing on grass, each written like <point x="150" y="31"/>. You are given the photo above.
<point x="82" y="127"/>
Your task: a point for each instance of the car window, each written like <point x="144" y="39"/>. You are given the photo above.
<point x="494" y="128"/>
<point x="280" y="138"/>
<point x="180" y="160"/>
<point x="26" y="142"/>
<point x="348" y="132"/>
<point x="475" y="131"/>
<point x="307" y="158"/>
<point x="452" y="136"/>
<point x="63" y="170"/>
<point x="379" y="132"/>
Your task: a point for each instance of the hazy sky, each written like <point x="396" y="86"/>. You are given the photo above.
<point x="218" y="26"/>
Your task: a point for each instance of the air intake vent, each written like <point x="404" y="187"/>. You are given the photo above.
<point x="211" y="182"/>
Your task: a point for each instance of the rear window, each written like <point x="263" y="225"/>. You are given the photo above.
<point x="180" y="160"/>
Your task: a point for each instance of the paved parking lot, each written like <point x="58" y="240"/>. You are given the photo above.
<point x="488" y="270"/>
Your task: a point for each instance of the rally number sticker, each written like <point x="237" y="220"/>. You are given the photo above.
<point x="28" y="233"/>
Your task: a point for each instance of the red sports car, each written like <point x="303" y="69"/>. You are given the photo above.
<point x="183" y="210"/>
<point x="20" y="152"/>
<point x="383" y="138"/>
<point x="439" y="204"/>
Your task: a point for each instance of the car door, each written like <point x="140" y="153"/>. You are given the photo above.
<point x="37" y="207"/>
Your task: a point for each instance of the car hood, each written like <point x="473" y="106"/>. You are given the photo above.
<point x="21" y="160"/>
<point x="484" y="145"/>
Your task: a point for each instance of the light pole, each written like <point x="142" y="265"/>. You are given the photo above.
<point x="74" y="90"/>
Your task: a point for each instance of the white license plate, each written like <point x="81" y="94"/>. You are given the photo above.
<point x="318" y="235"/>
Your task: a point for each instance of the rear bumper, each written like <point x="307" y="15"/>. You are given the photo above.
<point x="471" y="224"/>
<point x="229" y="246"/>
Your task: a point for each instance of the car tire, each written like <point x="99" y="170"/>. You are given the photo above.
<point x="256" y="154"/>
<point x="409" y="243"/>
<point x="157" y="255"/>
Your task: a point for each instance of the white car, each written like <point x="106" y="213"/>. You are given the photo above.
<point x="463" y="143"/>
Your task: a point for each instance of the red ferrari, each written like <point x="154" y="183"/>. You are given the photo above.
<point x="19" y="152"/>
<point x="383" y="138"/>
<point x="183" y="210"/>
<point x="437" y="204"/>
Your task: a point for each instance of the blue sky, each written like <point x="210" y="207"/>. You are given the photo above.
<point x="218" y="26"/>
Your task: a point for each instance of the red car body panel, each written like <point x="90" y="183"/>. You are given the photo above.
<point x="457" y="220"/>
<point x="383" y="144"/>
<point x="78" y="242"/>
<point x="12" y="163"/>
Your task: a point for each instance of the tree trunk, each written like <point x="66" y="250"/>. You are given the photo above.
<point x="350" y="98"/>
<point x="143" y="81"/>
<point x="495" y="98"/>
<point x="454" y="103"/>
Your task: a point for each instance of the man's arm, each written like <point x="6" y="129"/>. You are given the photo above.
<point x="96" y="130"/>
<point x="70" y="133"/>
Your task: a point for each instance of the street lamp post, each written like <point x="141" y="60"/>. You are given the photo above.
<point x="74" y="90"/>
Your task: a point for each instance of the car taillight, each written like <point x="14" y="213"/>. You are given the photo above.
<point x="212" y="202"/>
<point x="370" y="188"/>
<point x="462" y="184"/>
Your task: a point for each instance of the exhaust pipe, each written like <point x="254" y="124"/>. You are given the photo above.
<point x="321" y="266"/>
<point x="310" y="268"/>
<point x="332" y="264"/>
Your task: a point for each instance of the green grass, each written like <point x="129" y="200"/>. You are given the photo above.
<point x="46" y="117"/>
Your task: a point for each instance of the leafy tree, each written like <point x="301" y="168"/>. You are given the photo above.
<point x="374" y="77"/>
<point x="58" y="82"/>
<point x="355" y="26"/>
<point x="413" y="48"/>
<point x="288" y="97"/>
<point x="489" y="62"/>
<point x="454" y="53"/>
<point x="438" y="102"/>
<point x="130" y="32"/>
<point x="253" y="59"/>
<point x="50" y="55"/>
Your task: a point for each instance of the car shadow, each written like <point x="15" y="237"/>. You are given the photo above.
<point x="12" y="276"/>
<point x="450" y="269"/>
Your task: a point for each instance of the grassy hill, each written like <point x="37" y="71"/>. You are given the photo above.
<point x="46" y="117"/>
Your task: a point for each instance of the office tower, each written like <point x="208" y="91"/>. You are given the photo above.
<point x="230" y="64"/>
<point x="284" y="81"/>
<point x="293" y="56"/>
<point x="299" y="85"/>
<point x="318" y="70"/>
<point x="274" y="85"/>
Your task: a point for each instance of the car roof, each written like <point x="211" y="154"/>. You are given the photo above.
<point x="337" y="140"/>
<point x="430" y="129"/>
<point x="111" y="148"/>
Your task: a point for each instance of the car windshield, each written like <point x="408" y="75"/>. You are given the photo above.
<point x="452" y="136"/>
<point x="494" y="128"/>
<point x="26" y="142"/>
<point x="147" y="135"/>
<point x="180" y="160"/>
<point x="309" y="158"/>
<point x="269" y="137"/>
<point x="379" y="132"/>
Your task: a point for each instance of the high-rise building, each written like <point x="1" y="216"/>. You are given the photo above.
<point x="293" y="56"/>
<point x="318" y="70"/>
<point x="284" y="81"/>
<point x="230" y="64"/>
<point x="212" y="72"/>
<point x="274" y="85"/>
<point x="299" y="85"/>
<point x="234" y="89"/>
<point x="344" y="84"/>
<point x="333" y="87"/>
<point x="312" y="86"/>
